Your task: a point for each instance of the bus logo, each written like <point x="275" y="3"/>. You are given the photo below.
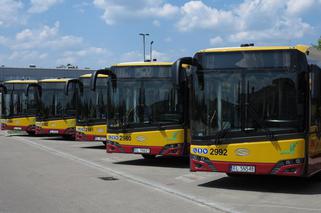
<point x="290" y="151"/>
<point x="113" y="137"/>
<point x="200" y="151"/>
<point x="242" y="152"/>
<point x="174" y="137"/>
<point x="140" y="138"/>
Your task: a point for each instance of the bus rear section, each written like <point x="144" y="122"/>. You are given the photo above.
<point x="255" y="110"/>
<point x="58" y="107"/>
<point x="92" y="110"/>
<point x="145" y="111"/>
<point x="20" y="104"/>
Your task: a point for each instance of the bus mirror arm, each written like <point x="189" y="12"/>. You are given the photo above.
<point x="3" y="89"/>
<point x="180" y="73"/>
<point x="34" y="85"/>
<point x="77" y="81"/>
<point x="106" y="71"/>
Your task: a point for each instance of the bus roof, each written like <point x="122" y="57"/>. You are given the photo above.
<point x="302" y="48"/>
<point x="55" y="80"/>
<point x="89" y="76"/>
<point x="21" y="82"/>
<point x="133" y="64"/>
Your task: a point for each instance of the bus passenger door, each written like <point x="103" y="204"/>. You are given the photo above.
<point x="314" y="144"/>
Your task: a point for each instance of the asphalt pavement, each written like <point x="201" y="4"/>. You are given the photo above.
<point x="53" y="175"/>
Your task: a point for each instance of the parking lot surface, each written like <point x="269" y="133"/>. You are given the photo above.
<point x="53" y="175"/>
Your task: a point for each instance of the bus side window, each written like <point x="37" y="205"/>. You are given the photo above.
<point x="316" y="97"/>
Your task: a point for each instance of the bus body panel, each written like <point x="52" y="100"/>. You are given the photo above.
<point x="19" y="105"/>
<point x="91" y="123"/>
<point x="249" y="100"/>
<point x="166" y="142"/>
<point x="23" y="124"/>
<point x="91" y="132"/>
<point x="314" y="152"/>
<point x="56" y="127"/>
<point x="146" y="111"/>
<point x="283" y="157"/>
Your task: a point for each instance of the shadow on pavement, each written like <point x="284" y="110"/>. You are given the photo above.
<point x="57" y="138"/>
<point x="94" y="147"/>
<point x="171" y="162"/>
<point x="274" y="184"/>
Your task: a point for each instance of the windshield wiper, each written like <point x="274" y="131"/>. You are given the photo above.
<point x="270" y="135"/>
<point x="222" y="133"/>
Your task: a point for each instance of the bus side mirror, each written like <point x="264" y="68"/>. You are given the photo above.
<point x="34" y="85"/>
<point x="75" y="81"/>
<point x="3" y="89"/>
<point x="81" y="87"/>
<point x="106" y="71"/>
<point x="179" y="73"/>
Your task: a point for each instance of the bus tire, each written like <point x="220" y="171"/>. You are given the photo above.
<point x="31" y="133"/>
<point x="149" y="157"/>
<point x="68" y="137"/>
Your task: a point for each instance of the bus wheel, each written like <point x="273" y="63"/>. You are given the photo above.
<point x="68" y="137"/>
<point x="149" y="157"/>
<point x="31" y="133"/>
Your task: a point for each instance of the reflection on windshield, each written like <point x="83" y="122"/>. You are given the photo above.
<point x="242" y="100"/>
<point x="15" y="103"/>
<point x="141" y="102"/>
<point x="93" y="104"/>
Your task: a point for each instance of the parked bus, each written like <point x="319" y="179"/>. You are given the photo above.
<point x="92" y="113"/>
<point x="58" y="107"/>
<point x="255" y="110"/>
<point x="19" y="105"/>
<point x="146" y="113"/>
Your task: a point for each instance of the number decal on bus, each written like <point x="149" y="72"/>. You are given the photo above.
<point x="119" y="138"/>
<point x="125" y="138"/>
<point x="218" y="152"/>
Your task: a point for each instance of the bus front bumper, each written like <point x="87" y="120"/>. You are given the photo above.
<point x="80" y="136"/>
<point x="168" y="150"/>
<point x="45" y="131"/>
<point x="30" y="128"/>
<point x="293" y="167"/>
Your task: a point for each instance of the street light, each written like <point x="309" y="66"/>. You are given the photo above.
<point x="144" y="41"/>
<point x="151" y="50"/>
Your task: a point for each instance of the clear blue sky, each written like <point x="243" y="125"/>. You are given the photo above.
<point x="98" y="33"/>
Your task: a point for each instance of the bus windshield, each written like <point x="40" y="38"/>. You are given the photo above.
<point x="15" y="103"/>
<point x="92" y="108"/>
<point x="55" y="103"/>
<point x="145" y="96"/>
<point x="250" y="99"/>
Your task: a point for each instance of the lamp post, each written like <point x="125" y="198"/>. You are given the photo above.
<point x="151" y="50"/>
<point x="144" y="43"/>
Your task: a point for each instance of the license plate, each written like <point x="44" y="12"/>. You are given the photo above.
<point x="100" y="139"/>
<point x="53" y="131"/>
<point x="17" y="128"/>
<point x="141" y="151"/>
<point x="243" y="169"/>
